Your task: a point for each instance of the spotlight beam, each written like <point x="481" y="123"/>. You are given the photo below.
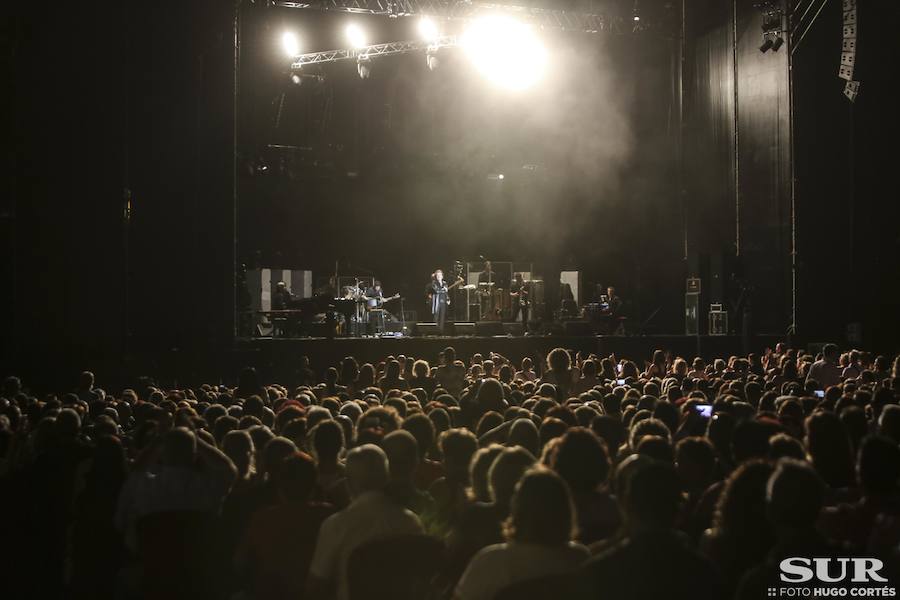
<point x="330" y="56"/>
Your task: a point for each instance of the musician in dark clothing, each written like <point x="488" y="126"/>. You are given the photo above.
<point x="488" y="275"/>
<point x="281" y="298"/>
<point x="438" y="291"/>
<point x="615" y="303"/>
<point x="520" y="301"/>
<point x="375" y="293"/>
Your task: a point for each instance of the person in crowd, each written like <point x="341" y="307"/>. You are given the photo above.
<point x="370" y="515"/>
<point x="741" y="534"/>
<point x="277" y="547"/>
<point x="165" y="477"/>
<point x="403" y="457"/>
<point x="652" y="499"/>
<point x="539" y="537"/>
<point x="581" y="459"/>
<point x="827" y="370"/>
<point x="795" y="495"/>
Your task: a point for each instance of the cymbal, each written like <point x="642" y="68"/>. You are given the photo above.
<point x="471" y="286"/>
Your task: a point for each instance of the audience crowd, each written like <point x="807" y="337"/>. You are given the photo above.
<point x="565" y="476"/>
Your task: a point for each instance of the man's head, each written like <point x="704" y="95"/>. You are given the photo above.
<point x="403" y="454"/>
<point x="652" y="497"/>
<point x="296" y="477"/>
<point x="367" y="469"/>
<point x="610" y="291"/>
<point x="439" y="275"/>
<point x="377" y="286"/>
<point x="794" y="495"/>
<point x="878" y="465"/>
<point x="831" y="352"/>
<point x="179" y="447"/>
<point x="86" y="380"/>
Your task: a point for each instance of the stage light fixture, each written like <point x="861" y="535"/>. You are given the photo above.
<point x="778" y="43"/>
<point x="500" y="176"/>
<point x="766" y="45"/>
<point x="364" y="67"/>
<point x="290" y="43"/>
<point x="432" y="61"/>
<point x="505" y="51"/>
<point x="428" y="29"/>
<point x="355" y="35"/>
<point x="296" y="79"/>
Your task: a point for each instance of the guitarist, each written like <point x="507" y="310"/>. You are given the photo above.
<point x="375" y="301"/>
<point x="439" y="294"/>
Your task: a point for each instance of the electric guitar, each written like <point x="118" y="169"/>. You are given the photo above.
<point x="378" y="302"/>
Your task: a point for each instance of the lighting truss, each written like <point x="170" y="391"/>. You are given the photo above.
<point x="330" y="56"/>
<point x="460" y="9"/>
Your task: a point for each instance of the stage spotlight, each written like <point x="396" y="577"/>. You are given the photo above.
<point x="505" y="51"/>
<point x="364" y="67"/>
<point x="428" y="29"/>
<point x="290" y="43"/>
<point x="355" y="35"/>
<point x="766" y="45"/>
<point x="779" y="42"/>
<point x="500" y="176"/>
<point x="296" y="79"/>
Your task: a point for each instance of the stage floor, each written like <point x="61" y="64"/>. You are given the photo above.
<point x="279" y="354"/>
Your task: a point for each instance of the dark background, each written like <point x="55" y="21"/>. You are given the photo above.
<point x="107" y="96"/>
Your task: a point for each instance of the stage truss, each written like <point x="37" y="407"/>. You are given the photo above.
<point x="458" y="9"/>
<point x="440" y="9"/>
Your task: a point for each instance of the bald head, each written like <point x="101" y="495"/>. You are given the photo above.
<point x="367" y="469"/>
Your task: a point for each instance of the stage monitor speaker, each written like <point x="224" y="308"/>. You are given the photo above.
<point x="516" y="329"/>
<point x="489" y="328"/>
<point x="467" y="329"/>
<point x="577" y="328"/>
<point x="426" y="329"/>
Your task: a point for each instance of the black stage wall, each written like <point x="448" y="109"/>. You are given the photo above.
<point x="737" y="163"/>
<point x="107" y="98"/>
<point x="848" y="213"/>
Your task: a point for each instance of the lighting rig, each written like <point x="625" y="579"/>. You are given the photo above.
<point x="515" y="24"/>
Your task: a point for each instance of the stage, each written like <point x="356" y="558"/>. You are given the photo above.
<point x="279" y="356"/>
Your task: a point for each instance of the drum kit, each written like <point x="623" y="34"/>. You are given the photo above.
<point x="369" y="316"/>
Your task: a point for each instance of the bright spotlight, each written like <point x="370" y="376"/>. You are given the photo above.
<point x="506" y="51"/>
<point x="290" y="43"/>
<point x="356" y="36"/>
<point x="428" y="30"/>
<point x="500" y="176"/>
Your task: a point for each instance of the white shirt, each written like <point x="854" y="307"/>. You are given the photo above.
<point x="370" y="516"/>
<point x="497" y="567"/>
